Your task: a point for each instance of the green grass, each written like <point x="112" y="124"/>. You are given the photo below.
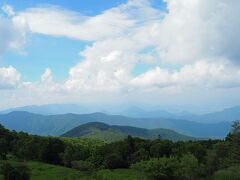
<point x="41" y="171"/>
<point x="119" y="174"/>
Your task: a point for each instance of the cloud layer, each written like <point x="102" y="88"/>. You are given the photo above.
<point x="9" y="78"/>
<point x="192" y="44"/>
<point x="13" y="30"/>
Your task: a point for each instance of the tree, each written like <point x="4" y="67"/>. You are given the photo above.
<point x="140" y="155"/>
<point x="189" y="168"/>
<point x="161" y="148"/>
<point x="235" y="127"/>
<point x="114" y="161"/>
<point x="73" y="153"/>
<point x="51" y="151"/>
<point x="16" y="172"/>
<point x="162" y="168"/>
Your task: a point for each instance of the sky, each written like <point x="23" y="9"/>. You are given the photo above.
<point x="167" y="54"/>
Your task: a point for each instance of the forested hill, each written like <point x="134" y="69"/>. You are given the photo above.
<point x="56" y="125"/>
<point x="110" y="133"/>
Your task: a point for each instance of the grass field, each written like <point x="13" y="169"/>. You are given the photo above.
<point x="41" y="171"/>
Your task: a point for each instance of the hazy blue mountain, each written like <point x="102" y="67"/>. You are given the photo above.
<point x="59" y="124"/>
<point x="140" y="113"/>
<point x="110" y="133"/>
<point x="51" y="109"/>
<point x="228" y="115"/>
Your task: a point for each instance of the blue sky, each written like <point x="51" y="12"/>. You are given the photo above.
<point x="58" y="53"/>
<point x="161" y="54"/>
<point x="90" y="7"/>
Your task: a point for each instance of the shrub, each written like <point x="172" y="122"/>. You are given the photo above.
<point x="83" y="165"/>
<point x="114" y="161"/>
<point x="162" y="168"/>
<point x="189" y="168"/>
<point x="15" y="172"/>
<point x="232" y="173"/>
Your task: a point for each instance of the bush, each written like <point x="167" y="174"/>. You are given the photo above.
<point x="162" y="168"/>
<point x="15" y="172"/>
<point x="189" y="168"/>
<point x="114" y="161"/>
<point x="232" y="173"/>
<point x="83" y="165"/>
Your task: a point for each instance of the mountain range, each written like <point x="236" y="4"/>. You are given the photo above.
<point x="110" y="133"/>
<point x="56" y="125"/>
<point x="228" y="114"/>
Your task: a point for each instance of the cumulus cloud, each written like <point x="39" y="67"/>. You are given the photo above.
<point x="13" y="30"/>
<point x="189" y="30"/>
<point x="202" y="73"/>
<point x="195" y="29"/>
<point x="192" y="44"/>
<point x="9" y="77"/>
<point x="185" y="34"/>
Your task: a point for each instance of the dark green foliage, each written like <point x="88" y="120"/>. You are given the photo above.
<point x="114" y="161"/>
<point x="15" y="172"/>
<point x="51" y="151"/>
<point x="83" y="165"/>
<point x="189" y="168"/>
<point x="160" y="168"/>
<point x="235" y="127"/>
<point x="186" y="167"/>
<point x="157" y="159"/>
<point x="231" y="173"/>
<point x="140" y="155"/>
<point x="161" y="148"/>
<point x="74" y="152"/>
<point x="6" y="138"/>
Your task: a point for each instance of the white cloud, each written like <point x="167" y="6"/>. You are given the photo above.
<point x="47" y="76"/>
<point x="73" y="25"/>
<point x="110" y="23"/>
<point x="9" y="77"/>
<point x="13" y="31"/>
<point x="8" y="10"/>
<point x="200" y="74"/>
<point x="196" y="29"/>
<point x="199" y="37"/>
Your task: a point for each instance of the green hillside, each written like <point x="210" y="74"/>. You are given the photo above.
<point x="110" y="133"/>
<point x="41" y="171"/>
<point x="55" y="125"/>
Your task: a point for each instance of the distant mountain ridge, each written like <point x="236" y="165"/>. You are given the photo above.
<point x="110" y="133"/>
<point x="228" y="114"/>
<point x="50" y="109"/>
<point x="56" y="125"/>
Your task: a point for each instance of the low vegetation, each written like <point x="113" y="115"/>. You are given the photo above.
<point x="25" y="156"/>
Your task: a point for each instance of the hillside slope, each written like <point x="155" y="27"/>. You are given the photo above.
<point x="56" y="125"/>
<point x="110" y="133"/>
